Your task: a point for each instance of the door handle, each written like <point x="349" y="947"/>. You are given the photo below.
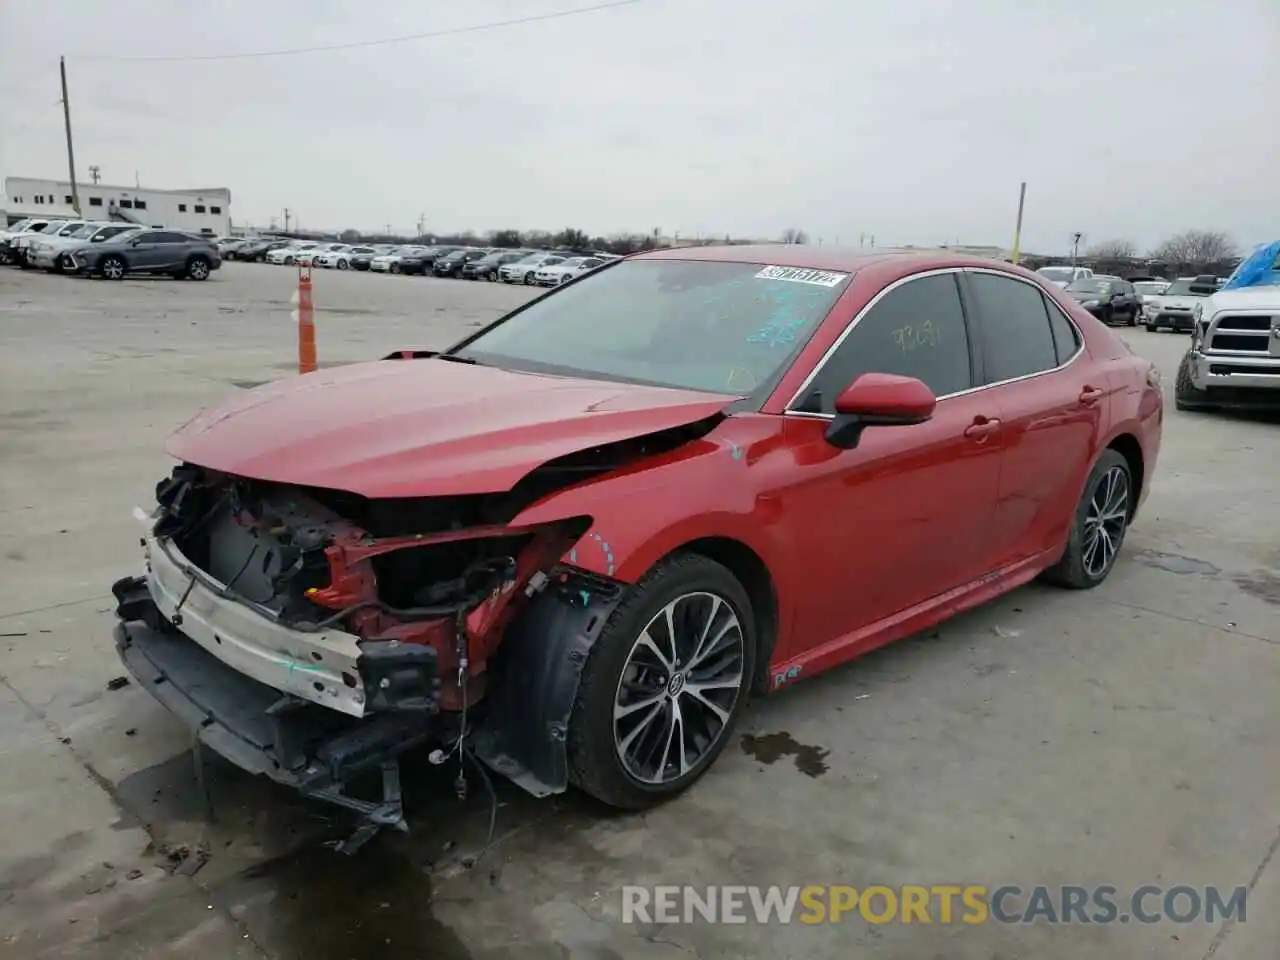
<point x="981" y="428"/>
<point x="1090" y="395"/>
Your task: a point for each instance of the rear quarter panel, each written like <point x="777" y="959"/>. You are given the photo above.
<point x="1135" y="404"/>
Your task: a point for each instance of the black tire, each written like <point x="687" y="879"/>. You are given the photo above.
<point x="59" y="264"/>
<point x="343" y="265"/>
<point x="1107" y="316"/>
<point x="593" y="750"/>
<point x="1186" y="396"/>
<point x="113" y="267"/>
<point x="24" y="260"/>
<point x="1151" y="326"/>
<point x="1133" y="317"/>
<point x="528" y="279"/>
<point x="1077" y="570"/>
<point x="394" y="268"/>
<point x="198" y="268"/>
<point x="288" y="261"/>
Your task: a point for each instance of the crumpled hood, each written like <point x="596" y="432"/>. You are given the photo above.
<point x="409" y="428"/>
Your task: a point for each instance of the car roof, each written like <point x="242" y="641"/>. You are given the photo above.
<point x="814" y="258"/>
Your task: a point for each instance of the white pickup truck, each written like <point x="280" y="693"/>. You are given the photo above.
<point x="1234" y="358"/>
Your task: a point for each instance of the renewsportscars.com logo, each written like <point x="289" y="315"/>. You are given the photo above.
<point x="939" y="903"/>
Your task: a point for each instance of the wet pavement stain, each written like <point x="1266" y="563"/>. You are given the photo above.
<point x="768" y="748"/>
<point x="248" y="384"/>
<point x="1265" y="586"/>
<point x="315" y="904"/>
<point x="1175" y="563"/>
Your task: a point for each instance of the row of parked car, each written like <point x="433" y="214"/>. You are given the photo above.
<point x="1155" y="303"/>
<point x="546" y="268"/>
<point x="107" y="248"/>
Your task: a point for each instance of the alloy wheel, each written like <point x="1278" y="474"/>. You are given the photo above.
<point x="113" y="269"/>
<point x="678" y="688"/>
<point x="1105" y="521"/>
<point x="199" y="270"/>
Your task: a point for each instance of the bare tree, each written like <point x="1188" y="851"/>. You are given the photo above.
<point x="1112" y="250"/>
<point x="1196" y="246"/>
<point x="794" y="235"/>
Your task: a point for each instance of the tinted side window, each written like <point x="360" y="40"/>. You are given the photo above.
<point x="146" y="237"/>
<point x="916" y="330"/>
<point x="1065" y="339"/>
<point x="168" y="237"/>
<point x="1016" y="340"/>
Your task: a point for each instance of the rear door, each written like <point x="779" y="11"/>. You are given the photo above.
<point x="172" y="250"/>
<point x="1052" y="403"/>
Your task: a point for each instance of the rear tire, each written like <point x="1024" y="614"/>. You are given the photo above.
<point x="614" y="733"/>
<point x="1186" y="395"/>
<point x="1098" y="526"/>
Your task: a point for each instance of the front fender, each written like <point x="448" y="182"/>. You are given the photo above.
<point x="720" y="486"/>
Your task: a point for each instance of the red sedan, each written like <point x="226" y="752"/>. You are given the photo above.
<point x="571" y="545"/>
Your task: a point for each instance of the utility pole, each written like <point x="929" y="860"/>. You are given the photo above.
<point x="422" y="224"/>
<point x="287" y="212"/>
<point x="94" y="174"/>
<point x="71" y="154"/>
<point x="1075" y="249"/>
<point x="1017" y="229"/>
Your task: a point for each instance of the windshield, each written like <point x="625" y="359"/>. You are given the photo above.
<point x="1056" y="273"/>
<point x="719" y="327"/>
<point x="1188" y="288"/>
<point x="88" y="230"/>
<point x="20" y="225"/>
<point x="1150" y="288"/>
<point x="1088" y="285"/>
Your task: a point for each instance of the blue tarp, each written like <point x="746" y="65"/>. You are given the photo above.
<point x="1260" y="269"/>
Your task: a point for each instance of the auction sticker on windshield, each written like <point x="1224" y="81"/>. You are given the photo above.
<point x="823" y="278"/>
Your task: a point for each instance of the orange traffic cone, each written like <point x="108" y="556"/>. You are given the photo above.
<point x="306" y="323"/>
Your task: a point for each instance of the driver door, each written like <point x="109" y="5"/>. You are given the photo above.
<point x="146" y="252"/>
<point x="905" y="515"/>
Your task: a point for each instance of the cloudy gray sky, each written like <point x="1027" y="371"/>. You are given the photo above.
<point x="912" y="121"/>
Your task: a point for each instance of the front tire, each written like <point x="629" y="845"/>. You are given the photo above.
<point x="1098" y="526"/>
<point x="664" y="684"/>
<point x="343" y="265"/>
<point x="112" y="267"/>
<point x="1186" y="395"/>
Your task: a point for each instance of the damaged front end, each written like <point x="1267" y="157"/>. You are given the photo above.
<point x="314" y="636"/>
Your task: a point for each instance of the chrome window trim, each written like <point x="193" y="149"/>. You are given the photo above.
<point x="789" y="410"/>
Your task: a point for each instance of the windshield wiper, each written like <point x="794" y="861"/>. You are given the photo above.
<point x="455" y="358"/>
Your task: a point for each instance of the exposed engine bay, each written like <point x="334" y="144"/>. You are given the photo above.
<point x="314" y="635"/>
<point x="311" y="637"/>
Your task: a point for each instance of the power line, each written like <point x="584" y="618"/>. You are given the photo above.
<point x="405" y="38"/>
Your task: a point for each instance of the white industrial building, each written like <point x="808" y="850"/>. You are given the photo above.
<point x="206" y="211"/>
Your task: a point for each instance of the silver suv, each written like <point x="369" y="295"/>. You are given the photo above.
<point x="1234" y="360"/>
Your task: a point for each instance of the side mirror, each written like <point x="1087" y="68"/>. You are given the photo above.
<point x="96" y="239"/>
<point x="878" y="400"/>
